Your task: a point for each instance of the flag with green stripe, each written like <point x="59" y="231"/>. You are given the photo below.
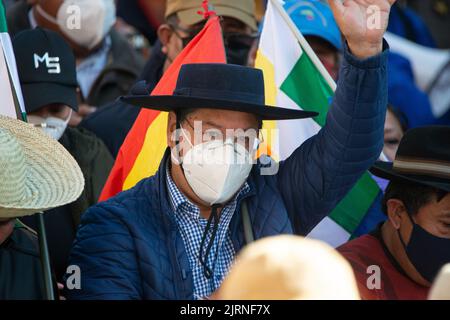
<point x="295" y="78"/>
<point x="12" y="104"/>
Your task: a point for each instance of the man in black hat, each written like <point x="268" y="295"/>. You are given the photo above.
<point x="402" y="257"/>
<point x="47" y="74"/>
<point x="175" y="234"/>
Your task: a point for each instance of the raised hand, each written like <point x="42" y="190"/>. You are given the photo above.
<point x="363" y="23"/>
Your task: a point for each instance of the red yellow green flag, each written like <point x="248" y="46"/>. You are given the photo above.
<point x="142" y="151"/>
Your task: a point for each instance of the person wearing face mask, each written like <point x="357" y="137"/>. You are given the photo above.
<point x="106" y="64"/>
<point x="175" y="234"/>
<point x="112" y="123"/>
<point x="47" y="74"/>
<point x="412" y="246"/>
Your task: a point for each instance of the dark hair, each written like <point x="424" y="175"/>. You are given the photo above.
<point x="183" y="113"/>
<point x="401" y="117"/>
<point x="413" y="195"/>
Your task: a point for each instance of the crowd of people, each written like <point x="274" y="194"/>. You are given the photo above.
<point x="223" y="229"/>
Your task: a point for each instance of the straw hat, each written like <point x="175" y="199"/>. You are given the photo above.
<point x="289" y="268"/>
<point x="36" y="172"/>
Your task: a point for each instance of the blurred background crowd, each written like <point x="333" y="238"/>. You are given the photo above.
<point x="139" y="39"/>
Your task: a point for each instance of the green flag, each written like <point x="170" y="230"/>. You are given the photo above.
<point x="12" y="100"/>
<point x="292" y="79"/>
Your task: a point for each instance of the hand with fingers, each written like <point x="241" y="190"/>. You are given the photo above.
<point x="363" y="24"/>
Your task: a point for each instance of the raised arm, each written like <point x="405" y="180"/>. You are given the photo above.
<point x="321" y="171"/>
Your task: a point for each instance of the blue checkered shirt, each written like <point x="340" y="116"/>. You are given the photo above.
<point x="191" y="226"/>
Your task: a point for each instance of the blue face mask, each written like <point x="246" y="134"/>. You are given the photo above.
<point x="426" y="252"/>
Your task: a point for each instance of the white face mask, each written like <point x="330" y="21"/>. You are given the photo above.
<point x="217" y="169"/>
<point x="85" y="22"/>
<point x="52" y="126"/>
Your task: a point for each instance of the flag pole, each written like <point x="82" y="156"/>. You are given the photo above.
<point x="45" y="257"/>
<point x="7" y="50"/>
<point x="305" y="45"/>
<point x="43" y="248"/>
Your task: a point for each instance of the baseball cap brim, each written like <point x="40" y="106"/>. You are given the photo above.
<point x="325" y="35"/>
<point x="191" y="16"/>
<point x="37" y="95"/>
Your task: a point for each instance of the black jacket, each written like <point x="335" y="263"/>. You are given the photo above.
<point x="20" y="267"/>
<point x="112" y="122"/>
<point x="123" y="68"/>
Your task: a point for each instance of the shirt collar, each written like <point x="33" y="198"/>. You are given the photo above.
<point x="90" y="67"/>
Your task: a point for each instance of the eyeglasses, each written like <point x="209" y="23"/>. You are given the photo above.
<point x="248" y="139"/>
<point x="231" y="39"/>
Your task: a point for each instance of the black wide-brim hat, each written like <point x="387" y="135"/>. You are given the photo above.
<point x="216" y="86"/>
<point x="423" y="157"/>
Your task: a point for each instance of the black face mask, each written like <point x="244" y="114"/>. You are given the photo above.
<point x="426" y="252"/>
<point x="238" y="55"/>
<point x="237" y="47"/>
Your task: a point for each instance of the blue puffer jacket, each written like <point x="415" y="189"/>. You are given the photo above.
<point x="129" y="247"/>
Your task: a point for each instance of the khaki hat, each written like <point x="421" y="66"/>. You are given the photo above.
<point x="36" y="172"/>
<point x="187" y="10"/>
<point x="289" y="268"/>
<point x="441" y="286"/>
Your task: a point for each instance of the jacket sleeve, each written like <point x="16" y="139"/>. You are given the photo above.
<point x="104" y="251"/>
<point x="325" y="167"/>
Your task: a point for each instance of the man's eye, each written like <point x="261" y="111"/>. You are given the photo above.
<point x="213" y="135"/>
<point x="392" y="141"/>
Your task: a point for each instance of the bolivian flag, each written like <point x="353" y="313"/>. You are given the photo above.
<point x="295" y="78"/>
<point x="142" y="151"/>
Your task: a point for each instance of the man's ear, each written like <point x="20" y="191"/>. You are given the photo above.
<point x="395" y="211"/>
<point x="164" y="34"/>
<point x="171" y="127"/>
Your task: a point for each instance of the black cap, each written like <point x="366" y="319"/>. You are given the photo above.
<point x="47" y="69"/>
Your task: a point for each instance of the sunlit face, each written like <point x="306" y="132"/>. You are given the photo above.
<point x="393" y="133"/>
